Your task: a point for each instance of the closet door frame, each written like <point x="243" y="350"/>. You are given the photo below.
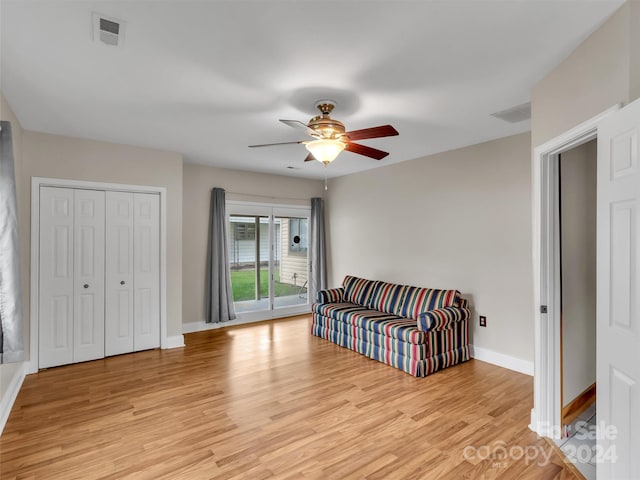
<point x="36" y="183"/>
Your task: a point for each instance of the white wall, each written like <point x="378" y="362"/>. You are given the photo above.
<point x="459" y="219"/>
<point x="578" y="246"/>
<point x="240" y="185"/>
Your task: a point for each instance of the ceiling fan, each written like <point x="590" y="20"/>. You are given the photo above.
<point x="330" y="137"/>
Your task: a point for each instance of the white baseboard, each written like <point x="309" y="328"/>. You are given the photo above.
<point x="9" y="397"/>
<point x="502" y="360"/>
<point x="176" y="341"/>
<point x="192" y="327"/>
<point x="244" y="318"/>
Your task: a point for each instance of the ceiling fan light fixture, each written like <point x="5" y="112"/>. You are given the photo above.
<point x="325" y="150"/>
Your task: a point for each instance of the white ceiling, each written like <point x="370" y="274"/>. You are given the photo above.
<point x="209" y="78"/>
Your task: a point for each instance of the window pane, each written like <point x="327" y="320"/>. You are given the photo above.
<point x="291" y="270"/>
<point x="249" y="265"/>
<point x="297" y="234"/>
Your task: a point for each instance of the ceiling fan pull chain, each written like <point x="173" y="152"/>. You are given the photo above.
<point x="325" y="178"/>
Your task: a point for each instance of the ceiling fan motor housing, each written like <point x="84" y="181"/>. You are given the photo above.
<point x="327" y="127"/>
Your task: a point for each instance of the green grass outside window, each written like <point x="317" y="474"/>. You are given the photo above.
<point x="243" y="284"/>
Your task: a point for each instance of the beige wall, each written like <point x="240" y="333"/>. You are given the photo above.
<point x="459" y="219"/>
<point x="9" y="371"/>
<point x="57" y="156"/>
<point x="578" y="244"/>
<point x="240" y="185"/>
<point x="603" y="71"/>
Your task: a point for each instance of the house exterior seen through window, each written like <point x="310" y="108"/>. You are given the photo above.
<point x="268" y="258"/>
<point x="298" y="235"/>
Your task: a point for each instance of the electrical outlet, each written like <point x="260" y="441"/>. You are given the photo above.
<point x="483" y="321"/>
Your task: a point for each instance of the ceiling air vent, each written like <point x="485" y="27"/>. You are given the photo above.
<point x="107" y="30"/>
<point x="516" y="114"/>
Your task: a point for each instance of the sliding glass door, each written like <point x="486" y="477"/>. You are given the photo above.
<point x="249" y="261"/>
<point x="292" y="264"/>
<point x="268" y="259"/>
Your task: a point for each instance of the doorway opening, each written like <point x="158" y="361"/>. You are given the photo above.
<point x="577" y="236"/>
<point x="546" y="415"/>
<point x="577" y="173"/>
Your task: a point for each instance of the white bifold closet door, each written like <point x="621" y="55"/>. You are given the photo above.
<point x="132" y="275"/>
<point x="119" y="274"/>
<point x="71" y="303"/>
<point x="146" y="271"/>
<point x="99" y="274"/>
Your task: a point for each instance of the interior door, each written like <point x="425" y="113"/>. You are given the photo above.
<point x="56" y="302"/>
<point x="119" y="274"/>
<point x="146" y="271"/>
<point x="618" y="309"/>
<point x="88" y="312"/>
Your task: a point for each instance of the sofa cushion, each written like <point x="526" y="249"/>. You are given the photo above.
<point x="418" y="300"/>
<point x="442" y="318"/>
<point x="331" y="295"/>
<point x="358" y="290"/>
<point x="332" y="310"/>
<point x="387" y="297"/>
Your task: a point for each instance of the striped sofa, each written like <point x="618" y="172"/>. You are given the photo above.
<point x="418" y="330"/>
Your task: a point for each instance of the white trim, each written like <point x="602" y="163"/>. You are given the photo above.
<point x="271" y="211"/>
<point x="36" y="183"/>
<point x="244" y="319"/>
<point x="546" y="412"/>
<point x="502" y="360"/>
<point x="266" y="205"/>
<point x="34" y="276"/>
<point x="164" y="340"/>
<point x="10" y="395"/>
<point x="174" y="341"/>
<point x="193" y="327"/>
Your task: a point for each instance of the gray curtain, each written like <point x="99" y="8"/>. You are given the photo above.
<point x="11" y="317"/>
<point x="317" y="253"/>
<point x="218" y="296"/>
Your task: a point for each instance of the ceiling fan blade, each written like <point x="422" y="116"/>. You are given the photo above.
<point x="280" y="143"/>
<point x="310" y="158"/>
<point x="366" y="151"/>
<point x="373" y="132"/>
<point x="300" y="126"/>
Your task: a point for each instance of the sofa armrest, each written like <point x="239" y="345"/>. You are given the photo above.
<point x="442" y="318"/>
<point x="331" y="295"/>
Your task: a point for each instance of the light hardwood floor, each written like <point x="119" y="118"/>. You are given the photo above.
<point x="270" y="400"/>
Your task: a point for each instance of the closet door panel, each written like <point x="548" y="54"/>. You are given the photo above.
<point x="89" y="264"/>
<point x="56" y="302"/>
<point x="119" y="274"/>
<point x="146" y="271"/>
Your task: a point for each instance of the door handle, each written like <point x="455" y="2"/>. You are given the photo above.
<point x="121" y="282"/>
<point x="86" y="285"/>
